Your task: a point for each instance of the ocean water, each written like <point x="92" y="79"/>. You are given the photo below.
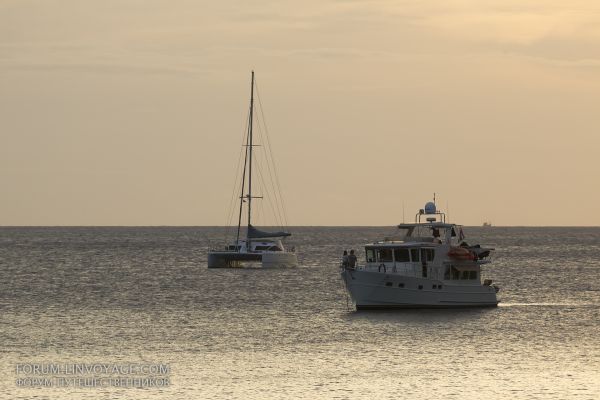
<point x="144" y="295"/>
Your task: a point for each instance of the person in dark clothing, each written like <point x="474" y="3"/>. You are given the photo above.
<point x="352" y="259"/>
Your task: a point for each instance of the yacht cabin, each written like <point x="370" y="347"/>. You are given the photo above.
<point x="432" y="250"/>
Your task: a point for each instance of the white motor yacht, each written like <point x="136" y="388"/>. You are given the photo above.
<point x="428" y="265"/>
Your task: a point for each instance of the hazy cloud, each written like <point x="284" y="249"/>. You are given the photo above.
<point x="98" y="68"/>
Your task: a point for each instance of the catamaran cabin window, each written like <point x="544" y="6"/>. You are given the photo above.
<point x="401" y="255"/>
<point x="370" y="255"/>
<point x="414" y="255"/>
<point x="384" y="255"/>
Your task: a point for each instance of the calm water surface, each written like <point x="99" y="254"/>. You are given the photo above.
<point x="85" y="295"/>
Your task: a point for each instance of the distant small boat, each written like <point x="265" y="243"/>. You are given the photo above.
<point x="257" y="245"/>
<point x="487" y="224"/>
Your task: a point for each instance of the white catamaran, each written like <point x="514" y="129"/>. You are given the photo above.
<point x="428" y="266"/>
<point x="257" y="246"/>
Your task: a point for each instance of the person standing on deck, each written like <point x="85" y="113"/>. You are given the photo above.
<point x="352" y="259"/>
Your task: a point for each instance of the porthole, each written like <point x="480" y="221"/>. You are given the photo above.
<point x="420" y="287"/>
<point x="388" y="284"/>
<point x="401" y="285"/>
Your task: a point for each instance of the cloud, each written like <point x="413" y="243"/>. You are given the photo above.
<point x="520" y="29"/>
<point x="584" y="63"/>
<point x="519" y="24"/>
<point x="332" y="53"/>
<point x="98" y="68"/>
<point x="88" y="58"/>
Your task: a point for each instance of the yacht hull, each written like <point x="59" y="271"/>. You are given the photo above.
<point x="376" y="290"/>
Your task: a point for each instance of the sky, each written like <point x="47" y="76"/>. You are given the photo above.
<point x="131" y="112"/>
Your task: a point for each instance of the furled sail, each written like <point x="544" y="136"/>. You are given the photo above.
<point x="254" y="233"/>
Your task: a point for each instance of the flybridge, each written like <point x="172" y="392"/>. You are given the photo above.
<point x="433" y="229"/>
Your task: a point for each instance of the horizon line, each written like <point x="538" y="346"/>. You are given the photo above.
<point x="290" y="226"/>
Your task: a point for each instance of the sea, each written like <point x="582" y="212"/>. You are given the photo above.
<point x="134" y="313"/>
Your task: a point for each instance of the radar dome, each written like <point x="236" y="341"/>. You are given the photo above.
<point x="430" y="208"/>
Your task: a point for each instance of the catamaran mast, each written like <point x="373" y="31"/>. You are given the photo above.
<point x="247" y="156"/>
<point x="250" y="159"/>
<point x="237" y="239"/>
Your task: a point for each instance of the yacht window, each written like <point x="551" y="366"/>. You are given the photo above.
<point x="420" y="287"/>
<point x="388" y="284"/>
<point x="414" y="255"/>
<point x="427" y="254"/>
<point x="472" y="274"/>
<point x="447" y="273"/>
<point x="385" y="255"/>
<point x="370" y="255"/>
<point x="465" y="275"/>
<point x="401" y="285"/>
<point x="455" y="273"/>
<point x="274" y="248"/>
<point x="258" y="248"/>
<point x="401" y="255"/>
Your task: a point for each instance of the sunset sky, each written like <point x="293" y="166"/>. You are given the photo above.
<point x="123" y="112"/>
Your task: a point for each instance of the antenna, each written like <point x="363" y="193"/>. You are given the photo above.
<point x="402" y="211"/>
<point x="433" y="197"/>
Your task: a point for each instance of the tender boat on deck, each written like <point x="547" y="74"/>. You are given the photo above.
<point x="428" y="266"/>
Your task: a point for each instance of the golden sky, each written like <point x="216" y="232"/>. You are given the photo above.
<point x="130" y="112"/>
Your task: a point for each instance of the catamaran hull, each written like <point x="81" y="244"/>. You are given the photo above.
<point x="375" y="290"/>
<point x="224" y="259"/>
